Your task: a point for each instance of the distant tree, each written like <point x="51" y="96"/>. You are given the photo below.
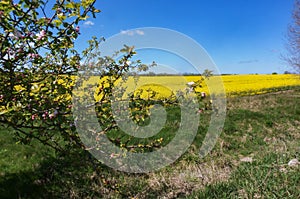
<point x="293" y="45"/>
<point x="207" y="73"/>
<point x="151" y="74"/>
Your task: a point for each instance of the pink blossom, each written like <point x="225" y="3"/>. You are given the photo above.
<point x="34" y="116"/>
<point x="30" y="55"/>
<point x="11" y="35"/>
<point x="45" y="114"/>
<point x="1" y="97"/>
<point x="41" y="34"/>
<point x="59" y="10"/>
<point x="200" y="111"/>
<point x="112" y="155"/>
<point x="33" y="55"/>
<point x="51" y="116"/>
<point x="203" y="94"/>
<point x="77" y="29"/>
<point x="20" y="50"/>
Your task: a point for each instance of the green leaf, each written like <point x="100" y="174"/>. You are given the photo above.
<point x="61" y="16"/>
<point x="57" y="22"/>
<point x="5" y="2"/>
<point x="84" y="17"/>
<point x="44" y="89"/>
<point x="70" y="5"/>
<point x="2" y="112"/>
<point x="65" y="24"/>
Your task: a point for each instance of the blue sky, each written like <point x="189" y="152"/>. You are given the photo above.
<point x="241" y="36"/>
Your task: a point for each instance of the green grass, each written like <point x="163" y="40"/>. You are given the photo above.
<point x="264" y="178"/>
<point x="264" y="128"/>
<point x="167" y="133"/>
<point x="16" y="162"/>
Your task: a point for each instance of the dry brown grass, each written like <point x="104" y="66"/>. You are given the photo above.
<point x="186" y="178"/>
<point x="255" y="102"/>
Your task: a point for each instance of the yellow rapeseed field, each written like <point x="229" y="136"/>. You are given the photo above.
<point x="234" y="85"/>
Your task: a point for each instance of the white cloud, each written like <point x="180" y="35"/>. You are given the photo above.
<point x="89" y="23"/>
<point x="139" y="32"/>
<point x="127" y="32"/>
<point x="132" y="32"/>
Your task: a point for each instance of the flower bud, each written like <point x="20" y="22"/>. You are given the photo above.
<point x="77" y="29"/>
